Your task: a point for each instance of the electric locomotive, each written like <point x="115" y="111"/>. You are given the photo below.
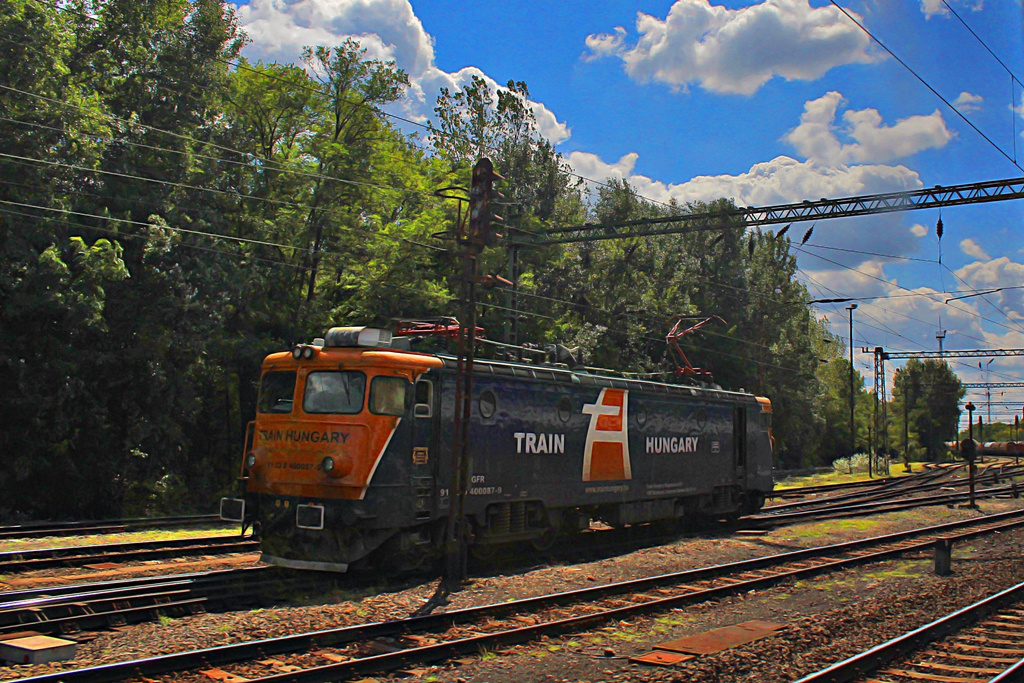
<point x="349" y="457"/>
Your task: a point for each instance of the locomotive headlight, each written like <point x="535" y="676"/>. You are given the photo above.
<point x="297" y="352"/>
<point x="250" y="460"/>
<point x="327" y="464"/>
<point x="308" y="352"/>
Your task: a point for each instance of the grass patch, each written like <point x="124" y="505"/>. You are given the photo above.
<point x="829" y="527"/>
<point x="907" y="569"/>
<point x="833" y="477"/>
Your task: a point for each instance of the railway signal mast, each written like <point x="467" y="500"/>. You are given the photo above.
<point x="474" y="235"/>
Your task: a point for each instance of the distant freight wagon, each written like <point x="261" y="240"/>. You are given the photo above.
<point x="349" y="457"/>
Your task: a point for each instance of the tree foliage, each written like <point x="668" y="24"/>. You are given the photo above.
<point x="170" y="213"/>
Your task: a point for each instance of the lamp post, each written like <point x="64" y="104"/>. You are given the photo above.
<point x="853" y="437"/>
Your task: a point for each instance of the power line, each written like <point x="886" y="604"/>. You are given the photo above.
<point x="430" y="129"/>
<point x="870" y="253"/>
<point x="146" y="237"/>
<point x="128" y="176"/>
<point x="214" y="235"/>
<point x="898" y="286"/>
<point x="983" y="44"/>
<point x="912" y="341"/>
<point x="925" y="84"/>
<point x="267" y="163"/>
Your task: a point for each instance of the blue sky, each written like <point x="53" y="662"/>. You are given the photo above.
<point x="764" y="102"/>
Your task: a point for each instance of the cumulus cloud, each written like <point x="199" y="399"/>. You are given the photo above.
<point x="387" y="29"/>
<point x="779" y="181"/>
<point x="736" y="51"/>
<point x="933" y="7"/>
<point x="817" y="136"/>
<point x="972" y="249"/>
<point x="966" y="102"/>
<point x="918" y="230"/>
<point x="937" y="7"/>
<point x="605" y="44"/>
<point x="783" y="179"/>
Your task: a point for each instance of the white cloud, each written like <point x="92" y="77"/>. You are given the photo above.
<point x="737" y="51"/>
<point x="966" y="102"/>
<point x="918" y="230"/>
<point x="605" y="44"/>
<point x="817" y="137"/>
<point x="933" y="7"/>
<point x="937" y="7"/>
<point x="387" y="29"/>
<point x="972" y="249"/>
<point x="780" y="180"/>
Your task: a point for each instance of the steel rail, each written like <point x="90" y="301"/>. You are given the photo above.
<point x="29" y="595"/>
<point x="114" y="602"/>
<point x="873" y="659"/>
<point x="39" y="529"/>
<point x="39" y="558"/>
<point x="895" y="485"/>
<point x="881" y="506"/>
<point x="888" y="493"/>
<point x="263" y="648"/>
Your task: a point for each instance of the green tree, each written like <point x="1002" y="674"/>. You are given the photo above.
<point x="928" y="392"/>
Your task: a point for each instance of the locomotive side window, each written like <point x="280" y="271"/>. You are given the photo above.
<point x="334" y="392"/>
<point x="564" y="408"/>
<point x="277" y="392"/>
<point x="488" y="404"/>
<point x="387" y="395"/>
<point x="424" y="398"/>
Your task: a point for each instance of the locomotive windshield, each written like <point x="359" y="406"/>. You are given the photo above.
<point x="387" y="395"/>
<point x="277" y="392"/>
<point x="337" y="392"/>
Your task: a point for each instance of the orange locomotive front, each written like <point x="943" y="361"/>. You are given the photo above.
<point x="326" y="415"/>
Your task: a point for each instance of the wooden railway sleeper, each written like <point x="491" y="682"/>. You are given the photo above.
<point x="969" y="658"/>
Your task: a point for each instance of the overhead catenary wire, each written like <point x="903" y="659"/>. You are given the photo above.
<point x="898" y="286"/>
<point x="125" y="235"/>
<point x="912" y="341"/>
<point x="925" y="83"/>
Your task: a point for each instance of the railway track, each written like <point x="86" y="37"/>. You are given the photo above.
<point x="63" y="609"/>
<point x="66" y="609"/>
<point x="42" y="558"/>
<point x="901" y="487"/>
<point x="982" y="642"/>
<point x="853" y="487"/>
<point x="379" y="647"/>
<point x="111" y="526"/>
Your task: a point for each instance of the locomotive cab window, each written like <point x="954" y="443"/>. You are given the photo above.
<point x="766" y="421"/>
<point x="336" y="392"/>
<point x="277" y="392"/>
<point x="424" y="398"/>
<point x="387" y="395"/>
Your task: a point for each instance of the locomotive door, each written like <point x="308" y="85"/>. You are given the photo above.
<point x="739" y="440"/>
<point x="426" y="451"/>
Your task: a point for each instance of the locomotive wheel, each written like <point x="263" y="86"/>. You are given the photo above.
<point x="544" y="542"/>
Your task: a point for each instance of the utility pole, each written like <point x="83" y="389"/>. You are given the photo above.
<point x="473" y="236"/>
<point x="853" y="436"/>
